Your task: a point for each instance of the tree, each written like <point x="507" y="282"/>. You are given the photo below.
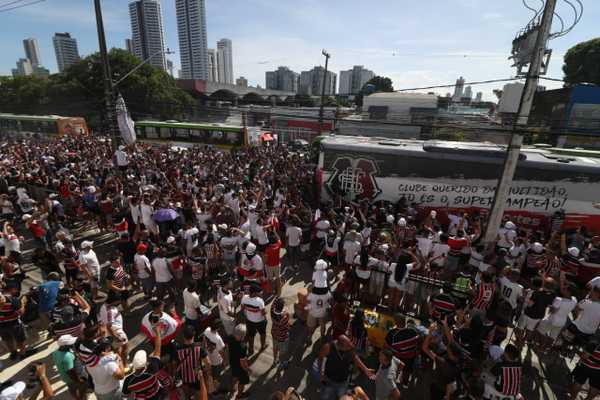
<point x="374" y="85"/>
<point x="79" y="90"/>
<point x="304" y="100"/>
<point x="582" y="63"/>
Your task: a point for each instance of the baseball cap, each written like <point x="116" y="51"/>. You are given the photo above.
<point x="139" y="359"/>
<point x="573" y="251"/>
<point x="66" y="340"/>
<point x="12" y="392"/>
<point x="321" y="265"/>
<point x="87" y="243"/>
<point x="402" y="222"/>
<point x="142" y="247"/>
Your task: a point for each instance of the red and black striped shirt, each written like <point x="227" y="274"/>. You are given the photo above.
<point x="442" y="305"/>
<point x="592" y="360"/>
<point x="145" y="384"/>
<point x="189" y="360"/>
<point x="404" y="342"/>
<point x="117" y="276"/>
<point x="484" y="295"/>
<point x="508" y="377"/>
<point x="9" y="311"/>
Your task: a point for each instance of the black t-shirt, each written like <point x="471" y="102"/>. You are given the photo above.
<point x="144" y="385"/>
<point x="541" y="300"/>
<point x="237" y="351"/>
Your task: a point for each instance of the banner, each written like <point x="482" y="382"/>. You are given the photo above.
<point x="126" y="124"/>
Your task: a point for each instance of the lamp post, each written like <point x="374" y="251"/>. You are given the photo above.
<point x="321" y="109"/>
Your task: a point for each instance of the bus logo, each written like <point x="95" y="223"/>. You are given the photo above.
<point x="354" y="177"/>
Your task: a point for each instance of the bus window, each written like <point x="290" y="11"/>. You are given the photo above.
<point x="182" y="133"/>
<point x="233" y="138"/>
<point x="214" y="137"/>
<point x="151" y="132"/>
<point x="197" y="135"/>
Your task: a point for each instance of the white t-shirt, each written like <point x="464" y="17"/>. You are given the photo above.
<point x="475" y="259"/>
<point x="293" y="235"/>
<point x="141" y="264"/>
<point x="319" y="278"/>
<point x="90" y="260"/>
<point x="392" y="279"/>
<point x="322" y="228"/>
<point x="424" y="245"/>
<point x="162" y="273"/>
<point x="102" y="374"/>
<point x="229" y="245"/>
<point x="441" y="250"/>
<point x="351" y="249"/>
<point x="110" y="316"/>
<point x="147" y="211"/>
<point x="507" y="236"/>
<point x="214" y="356"/>
<point x="202" y="218"/>
<point x="563" y="309"/>
<point x="191" y="303"/>
<point x="121" y="157"/>
<point x="255" y="263"/>
<point x="454" y="222"/>
<point x="334" y="246"/>
<point x="366" y="236"/>
<point x="253" y="308"/>
<point x="589" y="316"/>
<point x="191" y="239"/>
<point x="12" y="243"/>
<point x="511" y="291"/>
<point x="318" y="304"/>
<point x="225" y="301"/>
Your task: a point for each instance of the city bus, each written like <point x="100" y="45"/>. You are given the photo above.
<point x="460" y="176"/>
<point x="42" y="124"/>
<point x="218" y="135"/>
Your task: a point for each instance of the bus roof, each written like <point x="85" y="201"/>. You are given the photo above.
<point x="24" y="117"/>
<point x="476" y="151"/>
<point x="189" y="125"/>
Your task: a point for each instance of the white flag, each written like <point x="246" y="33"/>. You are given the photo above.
<point x="126" y="124"/>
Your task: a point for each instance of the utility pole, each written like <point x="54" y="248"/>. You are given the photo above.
<point x="321" y="109"/>
<point x="516" y="138"/>
<point x="109" y="94"/>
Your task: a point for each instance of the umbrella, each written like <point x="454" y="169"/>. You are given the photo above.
<point x="165" y="214"/>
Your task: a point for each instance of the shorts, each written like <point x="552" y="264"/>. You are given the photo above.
<point x="546" y="328"/>
<point x="12" y="331"/>
<point x="313" y="322"/>
<point x="254" y="327"/>
<point x="582" y="373"/>
<point x="273" y="272"/>
<point x="282" y="347"/>
<point x="527" y="323"/>
<point x="241" y="376"/>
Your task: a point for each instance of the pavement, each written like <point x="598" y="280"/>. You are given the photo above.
<point x="545" y="378"/>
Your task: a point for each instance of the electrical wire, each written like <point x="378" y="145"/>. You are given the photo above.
<point x="21" y="6"/>
<point x="11" y="3"/>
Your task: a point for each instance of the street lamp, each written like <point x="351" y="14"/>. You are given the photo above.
<point x="321" y="109"/>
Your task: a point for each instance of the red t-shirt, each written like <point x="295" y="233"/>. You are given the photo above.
<point x="456" y="245"/>
<point x="37" y="230"/>
<point x="272" y="254"/>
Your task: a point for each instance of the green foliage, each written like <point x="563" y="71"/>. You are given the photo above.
<point x="304" y="100"/>
<point x="79" y="90"/>
<point x="374" y="85"/>
<point x="582" y="63"/>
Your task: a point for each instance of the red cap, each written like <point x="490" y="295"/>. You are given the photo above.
<point x="142" y="247"/>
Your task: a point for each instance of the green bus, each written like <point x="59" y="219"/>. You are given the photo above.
<point x="218" y="135"/>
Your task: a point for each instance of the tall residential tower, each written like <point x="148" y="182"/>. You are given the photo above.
<point x="32" y="51"/>
<point x="66" y="50"/>
<point x="147" y="32"/>
<point x="225" y="61"/>
<point x="191" y="27"/>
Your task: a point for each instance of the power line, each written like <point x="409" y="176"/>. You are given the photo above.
<point x="11" y="3"/>
<point x="21" y="6"/>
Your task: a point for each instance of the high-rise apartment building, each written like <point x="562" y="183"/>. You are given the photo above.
<point x="458" y="88"/>
<point x="191" y="27"/>
<point x="24" y="68"/>
<point x="468" y="92"/>
<point x="241" y="81"/>
<point x="213" y="66"/>
<point x="129" y="45"/>
<point x="147" y="33"/>
<point x="32" y="51"/>
<point x="479" y="97"/>
<point x="282" y="79"/>
<point x="353" y="80"/>
<point x="311" y="82"/>
<point x="65" y="48"/>
<point x="225" y="61"/>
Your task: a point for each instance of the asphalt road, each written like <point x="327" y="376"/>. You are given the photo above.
<point x="544" y="378"/>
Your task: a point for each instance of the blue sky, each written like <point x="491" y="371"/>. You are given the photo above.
<point x="416" y="43"/>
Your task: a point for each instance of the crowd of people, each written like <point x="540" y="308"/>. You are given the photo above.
<point x="203" y="242"/>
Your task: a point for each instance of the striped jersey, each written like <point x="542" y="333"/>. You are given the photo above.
<point x="253" y="308"/>
<point x="280" y="328"/>
<point x="508" y="377"/>
<point x="85" y="352"/>
<point x="484" y="295"/>
<point x="189" y="361"/>
<point x="442" y="305"/>
<point x="117" y="276"/>
<point x="404" y="342"/>
<point x="9" y="311"/>
<point x="145" y="384"/>
<point x="592" y="360"/>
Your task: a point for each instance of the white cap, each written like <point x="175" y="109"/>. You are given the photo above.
<point x="321" y="265"/>
<point x="139" y="359"/>
<point x="433" y="213"/>
<point x="26" y="217"/>
<point x="87" y="243"/>
<point x="121" y="147"/>
<point x="510" y="225"/>
<point x="14" y="391"/>
<point x="402" y="221"/>
<point x="222" y="226"/>
<point x="537" y="247"/>
<point x="171" y="239"/>
<point x="574" y="251"/>
<point x="66" y="340"/>
<point x="390" y="219"/>
<point x="251" y="248"/>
